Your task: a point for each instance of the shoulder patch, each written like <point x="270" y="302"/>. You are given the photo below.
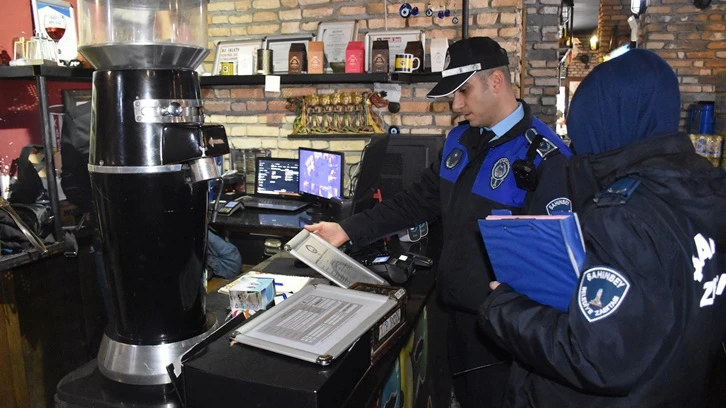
<point x="602" y="290"/>
<point x="545" y="146"/>
<point x="560" y="204"/>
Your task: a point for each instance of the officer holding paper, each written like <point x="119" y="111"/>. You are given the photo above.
<point x="647" y="316"/>
<point x="494" y="160"/>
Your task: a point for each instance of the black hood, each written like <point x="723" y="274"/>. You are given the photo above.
<point x="623" y="122"/>
<point x="629" y="98"/>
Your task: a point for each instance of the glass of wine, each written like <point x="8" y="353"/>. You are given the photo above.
<point x="55" y="27"/>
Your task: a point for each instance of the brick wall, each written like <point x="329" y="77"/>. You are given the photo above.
<point x="693" y="41"/>
<point x="258" y="119"/>
<point x="575" y="67"/>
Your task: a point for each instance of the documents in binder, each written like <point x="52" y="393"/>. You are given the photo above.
<point x="537" y="255"/>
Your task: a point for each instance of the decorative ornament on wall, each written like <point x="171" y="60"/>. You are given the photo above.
<point x="701" y="4"/>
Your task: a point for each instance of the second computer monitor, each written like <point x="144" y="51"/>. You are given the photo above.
<point x="321" y="173"/>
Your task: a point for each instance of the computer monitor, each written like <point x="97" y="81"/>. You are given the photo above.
<point x="321" y="173"/>
<point x="369" y="173"/>
<point x="406" y="158"/>
<point x="276" y="176"/>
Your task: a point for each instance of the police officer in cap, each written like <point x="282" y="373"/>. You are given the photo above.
<point x="499" y="157"/>
<point x="647" y="317"/>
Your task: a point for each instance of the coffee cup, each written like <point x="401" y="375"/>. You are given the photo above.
<point x="406" y="63"/>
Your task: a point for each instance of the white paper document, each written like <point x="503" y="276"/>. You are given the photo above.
<point x="316" y="324"/>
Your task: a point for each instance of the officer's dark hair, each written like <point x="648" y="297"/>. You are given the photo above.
<point x="504" y="69"/>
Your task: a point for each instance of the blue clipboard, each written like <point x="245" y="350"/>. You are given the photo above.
<point x="538" y="256"/>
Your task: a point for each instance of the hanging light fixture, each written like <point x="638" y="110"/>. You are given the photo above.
<point x="594" y="42"/>
<point x="638" y="7"/>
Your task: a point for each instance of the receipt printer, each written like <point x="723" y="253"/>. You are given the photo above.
<point x="396" y="269"/>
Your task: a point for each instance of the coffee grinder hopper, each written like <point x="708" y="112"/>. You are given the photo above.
<point x="132" y="34"/>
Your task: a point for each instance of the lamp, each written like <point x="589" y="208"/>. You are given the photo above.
<point x="638" y="7"/>
<point x="594" y="43"/>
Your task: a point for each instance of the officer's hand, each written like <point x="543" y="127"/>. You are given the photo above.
<point x="493" y="285"/>
<point x="329" y="231"/>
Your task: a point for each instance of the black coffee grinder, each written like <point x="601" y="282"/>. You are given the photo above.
<point x="151" y="160"/>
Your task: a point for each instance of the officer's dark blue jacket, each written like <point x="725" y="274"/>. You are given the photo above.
<point x="465" y="190"/>
<point x="649" y="311"/>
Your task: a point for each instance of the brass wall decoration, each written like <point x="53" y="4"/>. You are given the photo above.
<point x="340" y="112"/>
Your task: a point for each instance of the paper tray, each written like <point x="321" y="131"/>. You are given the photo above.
<point x="316" y="324"/>
<point x="330" y="261"/>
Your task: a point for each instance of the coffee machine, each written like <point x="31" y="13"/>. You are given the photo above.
<point x="151" y="162"/>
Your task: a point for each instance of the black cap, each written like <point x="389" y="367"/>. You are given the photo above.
<point x="466" y="57"/>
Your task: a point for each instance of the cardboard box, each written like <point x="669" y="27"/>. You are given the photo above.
<point x="355" y="57"/>
<point x="251" y="294"/>
<point x="316" y="57"/>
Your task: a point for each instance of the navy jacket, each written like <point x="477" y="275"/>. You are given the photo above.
<point x="647" y="316"/>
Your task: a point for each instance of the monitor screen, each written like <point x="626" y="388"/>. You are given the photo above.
<point x="321" y="172"/>
<point x="275" y="176"/>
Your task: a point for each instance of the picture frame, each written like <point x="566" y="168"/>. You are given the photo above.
<point x="397" y="40"/>
<point x="280" y="46"/>
<point x="61" y="14"/>
<point x="232" y="52"/>
<point x="335" y="36"/>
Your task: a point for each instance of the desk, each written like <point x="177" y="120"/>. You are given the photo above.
<point x="249" y="228"/>
<point x="356" y="382"/>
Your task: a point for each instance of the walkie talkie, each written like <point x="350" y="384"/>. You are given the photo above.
<point x="525" y="173"/>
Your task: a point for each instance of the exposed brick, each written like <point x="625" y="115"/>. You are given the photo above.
<point x="263" y="29"/>
<point x="418" y="107"/>
<point x="256" y="105"/>
<point x="239" y="31"/>
<point x="286" y="15"/>
<point x="245" y="143"/>
<point x="347" y="145"/>
<point x="266" y="4"/>
<point x="243" y="5"/>
<point x="487" y="18"/>
<point x="352" y="11"/>
<point x="239" y="106"/>
<point x="290" y="28"/>
<point x="289" y="3"/>
<point x="240" y="19"/>
<point x="416" y="120"/>
<point x="219" y="32"/>
<point x="263" y="16"/>
<point x="441" y="107"/>
<point x="247" y="93"/>
<point x="317" y="12"/>
<point x="220" y="6"/>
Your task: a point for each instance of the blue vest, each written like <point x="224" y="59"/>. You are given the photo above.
<point x="495" y="180"/>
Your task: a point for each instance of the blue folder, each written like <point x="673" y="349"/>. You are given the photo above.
<point x="538" y="256"/>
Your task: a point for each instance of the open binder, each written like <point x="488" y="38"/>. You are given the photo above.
<point x="537" y="255"/>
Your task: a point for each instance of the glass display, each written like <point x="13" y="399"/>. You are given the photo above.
<point x="143" y="33"/>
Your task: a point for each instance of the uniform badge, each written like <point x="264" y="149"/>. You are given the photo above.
<point x="561" y="204"/>
<point x="499" y="172"/>
<point x="601" y="292"/>
<point x="453" y="159"/>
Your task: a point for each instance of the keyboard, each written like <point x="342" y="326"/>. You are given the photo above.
<point x="272" y="203"/>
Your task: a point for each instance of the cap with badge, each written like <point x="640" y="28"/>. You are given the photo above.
<point x="464" y="58"/>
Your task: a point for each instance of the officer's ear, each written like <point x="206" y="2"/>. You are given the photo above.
<point x="496" y="81"/>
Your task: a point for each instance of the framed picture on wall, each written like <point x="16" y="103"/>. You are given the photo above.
<point x="335" y="37"/>
<point x="236" y="57"/>
<point x="280" y="46"/>
<point x="397" y="41"/>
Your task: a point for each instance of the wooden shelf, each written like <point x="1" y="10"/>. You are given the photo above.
<point x="48" y="71"/>
<point x="313" y="79"/>
<point x="14" y="260"/>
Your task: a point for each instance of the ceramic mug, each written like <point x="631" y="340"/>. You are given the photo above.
<point x="406" y="63"/>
